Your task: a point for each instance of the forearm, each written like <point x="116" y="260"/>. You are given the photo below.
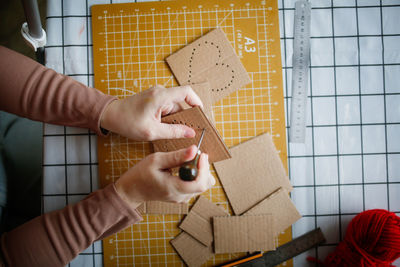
<point x="55" y="238"/>
<point x="31" y="90"/>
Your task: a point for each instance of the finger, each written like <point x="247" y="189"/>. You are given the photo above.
<point x="202" y="181"/>
<point x="179" y="106"/>
<point x="184" y="93"/>
<point x="204" y="170"/>
<point x="173" y="131"/>
<point x="168" y="160"/>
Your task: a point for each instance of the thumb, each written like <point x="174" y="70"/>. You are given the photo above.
<point x="168" y="160"/>
<point x="173" y="131"/>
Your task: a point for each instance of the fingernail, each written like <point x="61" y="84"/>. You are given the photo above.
<point x="189" y="133"/>
<point x="213" y="181"/>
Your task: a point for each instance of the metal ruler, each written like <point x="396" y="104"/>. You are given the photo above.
<point x="284" y="252"/>
<point x="301" y="62"/>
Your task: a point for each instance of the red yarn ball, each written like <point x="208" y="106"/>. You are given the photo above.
<point x="372" y="239"/>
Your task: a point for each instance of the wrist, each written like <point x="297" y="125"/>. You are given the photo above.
<point x="106" y="120"/>
<point x="125" y="192"/>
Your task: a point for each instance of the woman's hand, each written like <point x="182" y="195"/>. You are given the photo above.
<point x="138" y="117"/>
<point x="151" y="179"/>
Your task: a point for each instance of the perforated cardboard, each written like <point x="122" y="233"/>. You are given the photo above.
<point x="212" y="143"/>
<point x="254" y="172"/>
<point x="210" y="58"/>
<point x="158" y="207"/>
<point x="198" y="222"/>
<point x="243" y="233"/>
<point x="192" y="252"/>
<point x="281" y="207"/>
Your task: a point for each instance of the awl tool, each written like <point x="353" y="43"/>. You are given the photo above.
<point x="188" y="171"/>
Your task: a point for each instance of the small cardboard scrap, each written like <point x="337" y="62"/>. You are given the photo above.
<point x="203" y="91"/>
<point x="198" y="222"/>
<point x="192" y="252"/>
<point x="195" y="118"/>
<point x="243" y="233"/>
<point x="210" y="58"/>
<point x="159" y="207"/>
<point x="254" y="172"/>
<point x="281" y="207"/>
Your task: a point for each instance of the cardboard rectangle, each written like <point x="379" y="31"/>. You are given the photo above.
<point x="142" y="208"/>
<point x="192" y="252"/>
<point x="203" y="91"/>
<point x="243" y="233"/>
<point x="210" y="58"/>
<point x="281" y="207"/>
<point x="254" y="172"/>
<point x="198" y="222"/>
<point x="159" y="207"/>
<point x="212" y="143"/>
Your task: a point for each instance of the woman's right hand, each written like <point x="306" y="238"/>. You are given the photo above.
<point x="151" y="178"/>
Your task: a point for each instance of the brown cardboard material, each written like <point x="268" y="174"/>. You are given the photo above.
<point x="198" y="222"/>
<point x="203" y="91"/>
<point x="210" y="58"/>
<point x="243" y="233"/>
<point x="142" y="208"/>
<point x="281" y="207"/>
<point x="254" y="172"/>
<point x="212" y="143"/>
<point x="191" y="251"/>
<point x="158" y="207"/>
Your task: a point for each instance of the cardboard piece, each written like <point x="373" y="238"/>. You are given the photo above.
<point x="192" y="252"/>
<point x="203" y="91"/>
<point x="198" y="223"/>
<point x="243" y="233"/>
<point x="210" y="58"/>
<point x="254" y="172"/>
<point x="212" y="143"/>
<point x="281" y="207"/>
<point x="159" y="207"/>
<point x="142" y="208"/>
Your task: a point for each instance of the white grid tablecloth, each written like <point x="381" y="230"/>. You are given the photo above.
<point x="351" y="159"/>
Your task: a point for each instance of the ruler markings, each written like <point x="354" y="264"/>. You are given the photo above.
<point x="301" y="62"/>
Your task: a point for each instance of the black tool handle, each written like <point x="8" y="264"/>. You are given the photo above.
<point x="188" y="171"/>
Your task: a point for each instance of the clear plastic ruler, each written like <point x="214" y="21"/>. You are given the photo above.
<point x="301" y="62"/>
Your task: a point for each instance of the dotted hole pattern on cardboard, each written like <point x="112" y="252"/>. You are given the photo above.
<point x="189" y="124"/>
<point x="222" y="64"/>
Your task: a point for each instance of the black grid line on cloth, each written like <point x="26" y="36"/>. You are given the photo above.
<point x="89" y="132"/>
<point x="384" y="108"/>
<point x="360" y="103"/>
<point x="336" y="119"/>
<point x="313" y="153"/>
<point x="65" y="128"/>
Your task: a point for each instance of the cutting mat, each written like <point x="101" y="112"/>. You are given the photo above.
<point x="130" y="43"/>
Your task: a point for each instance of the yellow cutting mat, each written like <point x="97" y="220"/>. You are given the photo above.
<point x="130" y="43"/>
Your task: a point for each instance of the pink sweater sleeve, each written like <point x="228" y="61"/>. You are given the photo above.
<point x="31" y="90"/>
<point x="55" y="238"/>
